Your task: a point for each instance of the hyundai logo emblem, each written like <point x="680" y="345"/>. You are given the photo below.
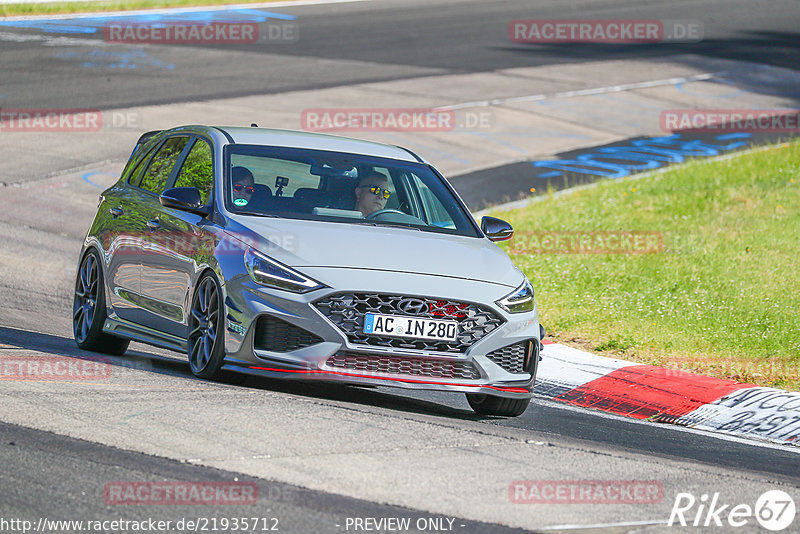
<point x="412" y="306"/>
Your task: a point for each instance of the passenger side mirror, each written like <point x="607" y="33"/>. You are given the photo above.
<point x="185" y="199"/>
<point x="496" y="229"/>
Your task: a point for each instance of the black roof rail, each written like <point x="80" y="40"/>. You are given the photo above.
<point x="419" y="159"/>
<point x="146" y="136"/>
<point x="226" y="134"/>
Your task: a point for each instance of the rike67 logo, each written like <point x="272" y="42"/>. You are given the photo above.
<point x="774" y="510"/>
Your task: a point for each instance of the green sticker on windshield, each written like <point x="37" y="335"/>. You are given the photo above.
<point x="240" y="202"/>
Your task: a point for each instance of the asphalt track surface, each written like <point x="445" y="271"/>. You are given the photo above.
<point x="47" y="474"/>
<point x="357" y="42"/>
<point x="56" y="473"/>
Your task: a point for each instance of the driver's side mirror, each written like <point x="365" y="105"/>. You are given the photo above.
<point x="496" y="229"/>
<point x="185" y="199"/>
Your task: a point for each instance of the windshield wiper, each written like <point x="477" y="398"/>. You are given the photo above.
<point x="390" y="225"/>
<point x="257" y="214"/>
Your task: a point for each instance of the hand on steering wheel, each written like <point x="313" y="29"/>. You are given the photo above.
<point x="381" y="212"/>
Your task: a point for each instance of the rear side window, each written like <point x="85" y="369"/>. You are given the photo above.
<point x="135" y="176"/>
<point x="155" y="178"/>
<point x="198" y="170"/>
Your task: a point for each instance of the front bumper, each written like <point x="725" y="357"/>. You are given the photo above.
<point x="489" y="365"/>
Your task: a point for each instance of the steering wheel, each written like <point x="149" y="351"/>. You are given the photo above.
<point x="375" y="214"/>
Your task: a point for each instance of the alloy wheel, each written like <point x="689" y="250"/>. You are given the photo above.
<point x="85" y="302"/>
<point x="203" y="324"/>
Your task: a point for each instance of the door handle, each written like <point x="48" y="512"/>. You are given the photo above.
<point x="153" y="224"/>
<point x="115" y="212"/>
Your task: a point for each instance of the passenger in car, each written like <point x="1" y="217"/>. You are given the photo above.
<point x="372" y="192"/>
<point x="243" y="185"/>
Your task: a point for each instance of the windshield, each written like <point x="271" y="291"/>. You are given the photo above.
<point x="337" y="187"/>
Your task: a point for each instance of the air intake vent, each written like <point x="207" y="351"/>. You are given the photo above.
<point x="397" y="365"/>
<point x="512" y="357"/>
<point x="278" y="335"/>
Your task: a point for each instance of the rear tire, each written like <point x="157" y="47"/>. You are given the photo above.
<point x="206" y="341"/>
<point x="89" y="310"/>
<point x="490" y="405"/>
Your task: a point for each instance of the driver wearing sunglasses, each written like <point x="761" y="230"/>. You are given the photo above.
<point x="243" y="185"/>
<point x="372" y="193"/>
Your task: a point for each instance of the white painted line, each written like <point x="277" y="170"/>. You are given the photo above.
<point x="608" y="525"/>
<point x="47" y="40"/>
<point x="583" y="92"/>
<point x="193" y="9"/>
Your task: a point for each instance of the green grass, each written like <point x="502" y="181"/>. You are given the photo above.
<point x="722" y="298"/>
<point x="54" y="8"/>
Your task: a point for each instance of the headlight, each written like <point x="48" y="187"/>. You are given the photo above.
<point x="271" y="273"/>
<point x="521" y="300"/>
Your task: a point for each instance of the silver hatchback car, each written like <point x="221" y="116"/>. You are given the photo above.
<point x="306" y="256"/>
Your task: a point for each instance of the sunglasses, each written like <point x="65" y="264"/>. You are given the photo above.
<point x="241" y="187"/>
<point x="378" y="191"/>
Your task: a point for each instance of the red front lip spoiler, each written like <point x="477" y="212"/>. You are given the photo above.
<point x="354" y="375"/>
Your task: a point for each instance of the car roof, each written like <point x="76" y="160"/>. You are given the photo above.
<point x="312" y="141"/>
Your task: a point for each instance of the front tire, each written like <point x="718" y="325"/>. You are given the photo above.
<point x="490" y="405"/>
<point x="89" y="310"/>
<point x="206" y="341"/>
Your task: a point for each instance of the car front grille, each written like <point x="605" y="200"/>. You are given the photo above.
<point x="511" y="357"/>
<point x="400" y="365"/>
<point x="347" y="311"/>
<point x="278" y="335"/>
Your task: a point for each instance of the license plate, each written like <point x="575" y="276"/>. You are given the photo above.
<point x="410" y="327"/>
